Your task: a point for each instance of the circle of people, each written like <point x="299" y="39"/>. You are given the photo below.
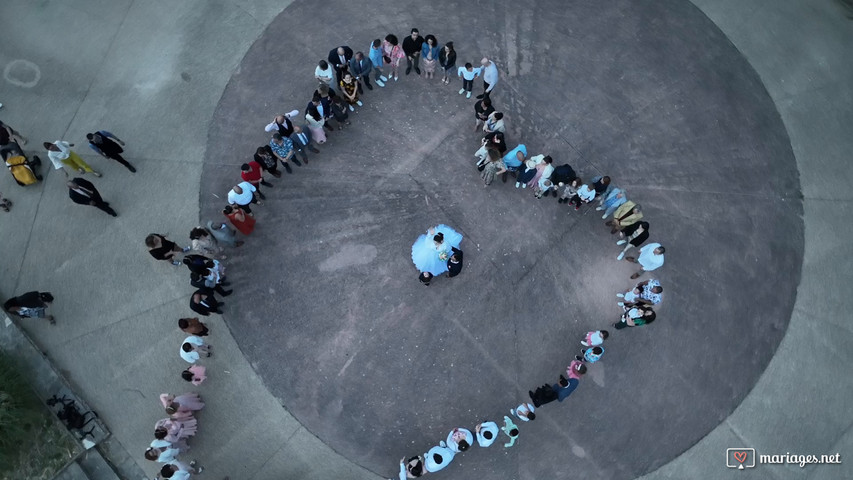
<point x="433" y="253"/>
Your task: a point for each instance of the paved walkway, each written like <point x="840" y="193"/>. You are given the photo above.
<point x="154" y="76"/>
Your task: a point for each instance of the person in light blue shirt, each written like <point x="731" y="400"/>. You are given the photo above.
<point x="375" y="56"/>
<point x="468" y="74"/>
<point x="487" y="433"/>
<point x="515" y="157"/>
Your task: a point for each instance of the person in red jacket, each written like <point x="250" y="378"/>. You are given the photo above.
<point x="254" y="174"/>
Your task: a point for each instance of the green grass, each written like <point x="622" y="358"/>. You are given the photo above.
<point x="32" y="444"/>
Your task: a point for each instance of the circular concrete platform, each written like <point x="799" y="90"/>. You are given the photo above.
<point x="329" y="310"/>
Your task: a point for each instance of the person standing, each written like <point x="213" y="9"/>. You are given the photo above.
<point x="193" y="326"/>
<point x="412" y="46"/>
<point x="392" y="54"/>
<point x="242" y="221"/>
<point x="203" y="302"/>
<point x="108" y="145"/>
<point x="454" y="263"/>
<point x="316" y="120"/>
<point x="430" y="51"/>
<point x="301" y="140"/>
<point x="437" y="458"/>
<point x="584" y="194"/>
<point x="162" y="248"/>
<point x="196" y="374"/>
<point x="268" y="160"/>
<point x="482" y="109"/>
<point x="635" y="317"/>
<point x="468" y="74"/>
<point x="223" y="234"/>
<point x="192" y="348"/>
<point x="524" y="412"/>
<point x="447" y="60"/>
<point x="360" y="68"/>
<point x="30" y="305"/>
<point x="282" y="124"/>
<point x="595" y="338"/>
<point x="494" y="123"/>
<point x="627" y="214"/>
<point x="203" y="243"/>
<point x="459" y="440"/>
<point x="650" y="258"/>
<point x="610" y="202"/>
<point x="565" y="387"/>
<point x="60" y="154"/>
<point x="575" y="370"/>
<point x="84" y="193"/>
<point x="253" y="173"/>
<point x="425" y="278"/>
<point x="645" y="293"/>
<point x="633" y="236"/>
<point x="511" y="431"/>
<point x="494" y="166"/>
<point x="242" y="195"/>
<point x="487" y="433"/>
<point x="490" y="76"/>
<point x="324" y="73"/>
<point x="282" y="148"/>
<point x="375" y="56"/>
<point x="591" y="354"/>
<point x="339" y="60"/>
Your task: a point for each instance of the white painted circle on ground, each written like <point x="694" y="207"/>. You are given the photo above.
<point x="22" y="73"/>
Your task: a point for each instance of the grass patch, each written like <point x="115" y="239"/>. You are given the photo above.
<point x="32" y="444"/>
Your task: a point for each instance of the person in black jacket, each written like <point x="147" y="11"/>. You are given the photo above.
<point x="412" y="48"/>
<point x="339" y="59"/>
<point x="454" y="263"/>
<point x="204" y="303"/>
<point x="83" y="192"/>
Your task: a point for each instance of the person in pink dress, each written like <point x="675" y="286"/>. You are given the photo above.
<point x="186" y="403"/>
<point x="392" y="53"/>
<point x="194" y="374"/>
<point x="174" y="431"/>
<point x="575" y="370"/>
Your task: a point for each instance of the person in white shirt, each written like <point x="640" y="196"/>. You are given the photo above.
<point x="487" y="433"/>
<point x="324" y="73"/>
<point x="524" y="412"/>
<point x="193" y="348"/>
<point x="651" y="258"/>
<point x="61" y="155"/>
<point x="459" y="440"/>
<point x="468" y="74"/>
<point x="242" y="195"/>
<point x="490" y="76"/>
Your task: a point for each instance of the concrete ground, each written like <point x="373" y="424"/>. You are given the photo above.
<point x="154" y="73"/>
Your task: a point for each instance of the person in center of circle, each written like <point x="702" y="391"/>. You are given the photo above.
<point x="431" y="251"/>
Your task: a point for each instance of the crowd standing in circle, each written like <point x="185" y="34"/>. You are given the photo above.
<point x="340" y="78"/>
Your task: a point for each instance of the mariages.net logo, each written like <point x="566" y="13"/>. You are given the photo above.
<point x="742" y="458"/>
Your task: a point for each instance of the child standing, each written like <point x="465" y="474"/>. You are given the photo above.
<point x="575" y="370"/>
<point x="591" y="355"/>
<point x="595" y="338"/>
<point x="468" y="74"/>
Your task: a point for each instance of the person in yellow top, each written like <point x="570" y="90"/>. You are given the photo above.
<point x="627" y="214"/>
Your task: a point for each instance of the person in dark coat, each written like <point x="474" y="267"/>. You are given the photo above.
<point x="109" y="146"/>
<point x="83" y="192"/>
<point x="454" y="263"/>
<point x="204" y="303"/>
<point x="30" y="305"/>
<point x="360" y="67"/>
<point x="301" y="139"/>
<point x="339" y="59"/>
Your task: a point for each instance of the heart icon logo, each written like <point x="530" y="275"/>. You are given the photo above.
<point x="740" y="456"/>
